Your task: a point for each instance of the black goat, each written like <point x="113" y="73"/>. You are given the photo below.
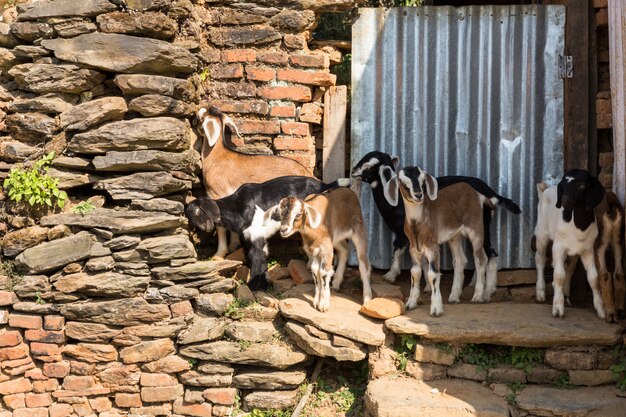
<point x="242" y="212"/>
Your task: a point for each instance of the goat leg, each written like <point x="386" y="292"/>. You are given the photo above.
<point x="589" y="262"/>
<point x="416" y="277"/>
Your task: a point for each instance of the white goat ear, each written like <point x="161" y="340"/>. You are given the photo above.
<point x="313" y="217"/>
<point x="268" y="214"/>
<point x="229" y="122"/>
<point x="212" y="130"/>
<point x="390" y="186"/>
<point x="431" y="186"/>
<point x="395" y="161"/>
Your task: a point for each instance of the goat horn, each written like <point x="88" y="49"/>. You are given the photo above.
<point x="229" y="122"/>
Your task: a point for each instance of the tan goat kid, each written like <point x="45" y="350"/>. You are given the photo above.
<point x="326" y="222"/>
<point x="224" y="170"/>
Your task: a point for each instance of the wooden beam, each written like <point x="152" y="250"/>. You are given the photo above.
<point x="334" y="148"/>
<point x="617" y="60"/>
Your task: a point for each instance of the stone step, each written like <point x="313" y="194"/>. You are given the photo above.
<point x="528" y="325"/>
<point x="579" y="402"/>
<point x="404" y="397"/>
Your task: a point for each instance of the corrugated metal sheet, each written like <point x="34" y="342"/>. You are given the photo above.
<point x="462" y="91"/>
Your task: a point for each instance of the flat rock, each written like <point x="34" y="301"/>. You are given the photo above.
<point x="90" y="332"/>
<point x="92" y="113"/>
<point x="151" y="24"/>
<point x="176" y="293"/>
<point x="122" y="312"/>
<point x="48" y="256"/>
<point x="385" y="290"/>
<point x="267" y="379"/>
<point x="107" y="284"/>
<point x="213" y="304"/>
<point x="36" y="308"/>
<point x="136" y="84"/>
<point x="123" y="54"/>
<point x="50" y="78"/>
<point x="30" y="285"/>
<point x="158" y="204"/>
<point x="59" y="8"/>
<point x="202" y="329"/>
<point x="343" y="318"/>
<point x="151" y="105"/>
<point x="517" y="277"/>
<point x="122" y="242"/>
<point x="147" y="160"/>
<point x="71" y="179"/>
<point x="383" y="308"/>
<point x="148" y="351"/>
<point x="50" y="103"/>
<point x="71" y="29"/>
<point x="164" y="248"/>
<point x="246" y="35"/>
<point x="72" y="162"/>
<point x="402" y="397"/>
<point x="583" y="402"/>
<point x="16" y="151"/>
<point x="159" y="133"/>
<point x="30" y="127"/>
<point x="91" y="352"/>
<point x="252" y="331"/>
<point x="319" y="347"/>
<point x="196" y="270"/>
<point x="271" y="400"/>
<point x="278" y="356"/>
<point x="117" y="221"/>
<point x="528" y="325"/>
<point x="30" y="31"/>
<point x="30" y="51"/>
<point x="198" y="379"/>
<point x="169" y="364"/>
<point x="17" y="241"/>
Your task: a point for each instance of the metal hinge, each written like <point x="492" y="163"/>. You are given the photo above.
<point x="566" y="66"/>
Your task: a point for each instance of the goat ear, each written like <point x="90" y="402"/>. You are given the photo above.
<point x="395" y="161"/>
<point x="212" y="130"/>
<point x="229" y="122"/>
<point x="269" y="214"/>
<point x="313" y="217"/>
<point x="559" y="194"/>
<point x="390" y="186"/>
<point x="595" y="193"/>
<point x="432" y="187"/>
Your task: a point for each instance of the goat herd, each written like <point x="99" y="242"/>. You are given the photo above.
<point x="256" y="196"/>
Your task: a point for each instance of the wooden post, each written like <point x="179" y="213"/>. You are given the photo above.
<point x="334" y="148"/>
<point x="617" y="60"/>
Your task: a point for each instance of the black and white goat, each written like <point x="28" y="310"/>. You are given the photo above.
<point x="370" y="170"/>
<point x="242" y="212"/>
<point x="581" y="220"/>
<point x="326" y="222"/>
<point x="434" y="217"/>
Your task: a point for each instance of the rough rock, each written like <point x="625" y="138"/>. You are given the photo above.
<point x="583" y="402"/>
<point x="343" y="318"/>
<point x="47" y="103"/>
<point x="219" y="285"/>
<point x="271" y="400"/>
<point x="151" y="105"/>
<point x="122" y="242"/>
<point x="169" y="364"/>
<point x="49" y="78"/>
<point x="30" y="285"/>
<point x="252" y="331"/>
<point x="527" y="325"/>
<point x="196" y="270"/>
<point x="432" y="354"/>
<point x="198" y="379"/>
<point x="7" y="59"/>
<point x="268" y="379"/>
<point x="383" y="308"/>
<point x="103" y="263"/>
<point x="159" y="249"/>
<point x="73" y="162"/>
<point x="147" y="160"/>
<point x="176" y="293"/>
<point x="59" y="8"/>
<point x="92" y="113"/>
<point x="299" y="272"/>
<point x="147" y="4"/>
<point x="148" y="351"/>
<point x="202" y="329"/>
<point x="31" y="31"/>
<point x="293" y="21"/>
<point x="30" y="51"/>
<point x="150" y="24"/>
<point x="136" y="84"/>
<point x="155" y="330"/>
<point x="123" y="53"/>
<point x="117" y="221"/>
<point x="90" y="332"/>
<point x="52" y="255"/>
<point x="91" y="352"/>
<point x="402" y="397"/>
<point x="323" y="348"/>
<point x="30" y="127"/>
<point x="36" y="308"/>
<point x="107" y="284"/>
<point x="214" y="304"/>
<point x="468" y="371"/>
<point x="17" y="241"/>
<point x="71" y="179"/>
<point x="159" y="133"/>
<point x="122" y="312"/>
<point x="246" y="35"/>
<point x="386" y="290"/>
<point x="159" y="204"/>
<point x="71" y="29"/>
<point x="261" y="354"/>
<point x="16" y="151"/>
<point x="7" y="38"/>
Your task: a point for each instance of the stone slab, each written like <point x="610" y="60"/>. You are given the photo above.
<point x="579" y="402"/>
<point x="117" y="221"/>
<point x="323" y="348"/>
<point x="527" y="325"/>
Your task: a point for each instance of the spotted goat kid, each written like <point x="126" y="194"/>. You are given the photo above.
<point x="326" y="222"/>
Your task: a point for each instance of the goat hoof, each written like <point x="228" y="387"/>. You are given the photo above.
<point x="478" y="300"/>
<point x="410" y="305"/>
<point x="436" y="312"/>
<point x="335" y="288"/>
<point x="454" y="300"/>
<point x="389" y="278"/>
<point x="541" y="296"/>
<point x="217" y="258"/>
<point x="557" y="313"/>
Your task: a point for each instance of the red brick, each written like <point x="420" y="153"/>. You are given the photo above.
<point x="7" y="298"/>
<point x="14" y="401"/>
<point x="239" y="55"/>
<point x="602" y="18"/>
<point x="15" y="386"/>
<point x="57" y="369"/>
<point x="283" y="111"/>
<point x="31" y="412"/>
<point x="49" y="385"/>
<point x="15" y="352"/>
<point x="258" y="126"/>
<point x="292" y="92"/>
<point x="603" y="105"/>
<point x="224" y="396"/>
<point x="181" y="309"/>
<point x="196" y="410"/>
<point x="310" y="61"/>
<point x="45" y="349"/>
<point x="60" y="410"/>
<point x="38" y="400"/>
<point x="81" y="393"/>
<point x="223" y="71"/>
<point x="157" y="380"/>
<point x="307" y="77"/>
<point x="127" y="400"/>
<point x="295" y="128"/>
<point x="258" y="73"/>
<point x="25" y="321"/>
<point x="242" y="106"/>
<point x="75" y="382"/>
<point x="234" y="90"/>
<point x="160" y="394"/>
<point x="10" y="338"/>
<point x="53" y="322"/>
<point x="272" y="57"/>
<point x="45" y="336"/>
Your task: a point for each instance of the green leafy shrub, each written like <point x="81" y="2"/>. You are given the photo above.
<point x="404" y="351"/>
<point x="34" y="186"/>
<point x="83" y="208"/>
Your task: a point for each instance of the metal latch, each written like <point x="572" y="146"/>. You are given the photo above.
<point x="566" y="66"/>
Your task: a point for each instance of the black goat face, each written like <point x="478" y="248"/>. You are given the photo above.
<point x="203" y="214"/>
<point x="367" y="169"/>
<point x="579" y="188"/>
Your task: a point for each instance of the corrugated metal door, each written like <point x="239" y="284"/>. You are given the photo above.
<point x="462" y="91"/>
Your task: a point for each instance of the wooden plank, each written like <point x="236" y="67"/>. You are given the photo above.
<point x="617" y="58"/>
<point x="334" y="147"/>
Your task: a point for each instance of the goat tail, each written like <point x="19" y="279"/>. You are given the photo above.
<point x="341" y="182"/>
<point x="508" y="204"/>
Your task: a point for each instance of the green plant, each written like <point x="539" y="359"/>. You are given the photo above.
<point x="270" y="413"/>
<point x="34" y="186"/>
<point x="83" y="207"/>
<point x="244" y="344"/>
<point x="271" y="263"/>
<point x="38" y="298"/>
<point x="525" y="358"/>
<point x="619" y="373"/>
<point x="8" y="268"/>
<point x="445" y="347"/>
<point x="192" y="362"/>
<point x="404" y="350"/>
<point x="204" y="74"/>
<point x="563" y="382"/>
<point x="232" y="310"/>
<point x="478" y="355"/>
